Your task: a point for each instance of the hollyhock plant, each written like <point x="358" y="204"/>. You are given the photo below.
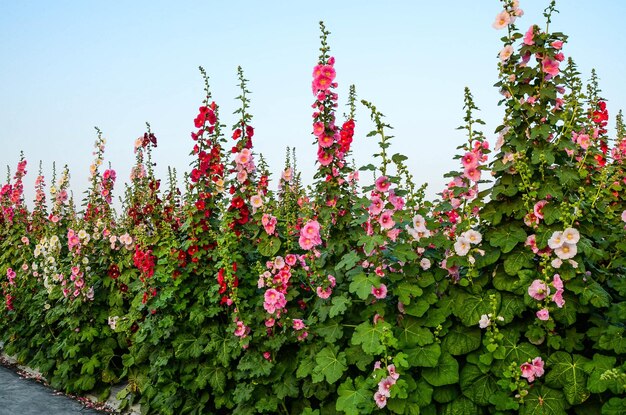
<point x="538" y="290"/>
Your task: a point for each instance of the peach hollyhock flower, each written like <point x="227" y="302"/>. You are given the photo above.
<point x="503" y="19"/>
<point x="583" y="140"/>
<point x="462" y="246"/>
<point x="256" y="201"/>
<point x="566" y="251"/>
<point x="528" y="37"/>
<point x="386" y="219"/>
<point x="571" y="236"/>
<point x="380" y="292"/>
<point x="382" y="184"/>
<point x="506" y="53"/>
<point x="538" y="290"/>
<point x="556" y="240"/>
<point x="550" y="66"/>
<point x="543" y="314"/>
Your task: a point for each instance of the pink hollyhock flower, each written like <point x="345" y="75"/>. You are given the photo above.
<point x="270" y="322"/>
<point x="558" y="298"/>
<point x="311" y="229"/>
<point x="557" y="44"/>
<point x="543" y="314"/>
<point x="384" y="386"/>
<point x="557" y="282"/>
<point x="393" y="234"/>
<point x="273" y="300"/>
<point x="279" y="262"/>
<point x="324" y="293"/>
<point x="291" y="259"/>
<point x="298" y="324"/>
<point x="583" y="140"/>
<point x="624" y="216"/>
<point x="538" y="208"/>
<point x="550" y="66"/>
<point x="241" y="330"/>
<point x="386" y="219"/>
<point x="380" y="292"/>
<point x="392" y="372"/>
<point x="380" y="399"/>
<point x="506" y="53"/>
<point x="530" y="34"/>
<point x="325" y="141"/>
<point x="321" y="83"/>
<point x="472" y="174"/>
<point x="267" y="355"/>
<point x="503" y="19"/>
<point x="243" y="157"/>
<point x="528" y="371"/>
<point x="256" y="201"/>
<point x="306" y="243"/>
<point x="419" y="223"/>
<point x="425" y="263"/>
<point x="382" y="184"/>
<point x="566" y="251"/>
<point x="396" y="201"/>
<point x="332" y="280"/>
<point x="556" y="240"/>
<point x="461" y="246"/>
<point x="571" y="236"/>
<point x="318" y="129"/>
<point x="377" y="205"/>
<point x="470" y="159"/>
<point x="537" y="364"/>
<point x="324" y="158"/>
<point x="538" y="290"/>
<point x="269" y="223"/>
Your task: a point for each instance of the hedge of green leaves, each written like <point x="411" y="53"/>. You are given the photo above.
<point x="503" y="296"/>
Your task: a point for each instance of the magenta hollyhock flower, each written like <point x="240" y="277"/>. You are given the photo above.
<point x="386" y="219"/>
<point x="322" y="83"/>
<point x="318" y="129"/>
<point x="323" y="157"/>
<point x="538" y="290"/>
<point x="550" y="66"/>
<point x="380" y="399"/>
<point x="291" y="259"/>
<point x="530" y="34"/>
<point x="543" y="314"/>
<point x="382" y="184"/>
<point x="379" y="292"/>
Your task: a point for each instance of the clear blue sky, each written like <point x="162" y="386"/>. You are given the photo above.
<point x="67" y="66"/>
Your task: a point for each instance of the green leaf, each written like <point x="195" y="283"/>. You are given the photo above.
<point x="461" y="406"/>
<point x="510" y="307"/>
<point x="551" y="213"/>
<point x="542" y="400"/>
<point x="370" y="337"/>
<point x="518" y="260"/>
<point x="446" y="372"/>
<point x="566" y="371"/>
<point x="614" y="406"/>
<point x="351" y="399"/>
<point x="217" y="379"/>
<point x="340" y="305"/>
<point x="461" y="340"/>
<point x="406" y="290"/>
<point x="413" y="333"/>
<point x="348" y="261"/>
<point x="490" y="257"/>
<point x="424" y="356"/>
<point x="506" y="237"/>
<point x="330" y="364"/>
<point x="361" y="285"/>
<point x="268" y="245"/>
<point x="470" y="307"/>
<point x="331" y="331"/>
<point x="476" y="385"/>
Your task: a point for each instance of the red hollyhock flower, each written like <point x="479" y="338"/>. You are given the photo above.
<point x="114" y="271"/>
